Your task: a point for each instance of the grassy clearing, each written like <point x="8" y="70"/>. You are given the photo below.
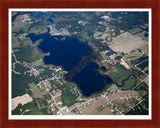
<point x="21" y="27"/>
<point x="84" y="35"/>
<point x="141" y="35"/>
<point x="58" y="99"/>
<point x="37" y="93"/>
<point x="15" y="41"/>
<point x="133" y="56"/>
<point x="38" y="27"/>
<point x="28" y="53"/>
<point x="145" y="49"/>
<point x="39" y="62"/>
<point x="135" y="30"/>
<point x="97" y="33"/>
<point x="68" y="97"/>
<point x="120" y="74"/>
<point x="138" y="73"/>
<point x="104" y="56"/>
<point x="27" y="41"/>
<point x="123" y="74"/>
<point x="129" y="84"/>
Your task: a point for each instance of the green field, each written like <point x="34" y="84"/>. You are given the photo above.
<point x="21" y="27"/>
<point x="123" y="74"/>
<point x="37" y="93"/>
<point x="142" y="35"/>
<point x="39" y="62"/>
<point x="135" y="30"/>
<point x="28" y="54"/>
<point x="58" y="99"/>
<point x="129" y="84"/>
<point x="132" y="57"/>
<point x="120" y="74"/>
<point x="38" y="27"/>
<point x="104" y="56"/>
<point x="68" y="97"/>
<point x="15" y="41"/>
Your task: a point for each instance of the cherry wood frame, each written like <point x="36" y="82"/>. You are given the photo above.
<point x="6" y="4"/>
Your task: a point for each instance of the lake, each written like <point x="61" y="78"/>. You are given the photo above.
<point x="76" y="57"/>
<point x="51" y="19"/>
<point x="40" y="14"/>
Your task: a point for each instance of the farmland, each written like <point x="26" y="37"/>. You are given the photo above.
<point x="126" y="42"/>
<point x="97" y="108"/>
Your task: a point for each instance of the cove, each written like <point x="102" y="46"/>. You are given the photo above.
<point x="76" y="57"/>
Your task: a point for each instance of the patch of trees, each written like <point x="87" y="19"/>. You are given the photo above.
<point x="20" y="83"/>
<point x="135" y="19"/>
<point x="110" y="52"/>
<point x="118" y="57"/>
<point x="32" y="106"/>
<point x="102" y="46"/>
<point x="143" y="65"/>
<point x="144" y="57"/>
<point x="139" y="110"/>
<point x="20" y="68"/>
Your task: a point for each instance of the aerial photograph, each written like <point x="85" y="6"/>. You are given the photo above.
<point x="79" y="62"/>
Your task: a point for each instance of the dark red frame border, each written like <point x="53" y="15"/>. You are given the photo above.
<point x="6" y="4"/>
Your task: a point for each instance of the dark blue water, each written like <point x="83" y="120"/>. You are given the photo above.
<point x="40" y="14"/>
<point x="76" y="57"/>
<point x="51" y="19"/>
<point x="103" y="69"/>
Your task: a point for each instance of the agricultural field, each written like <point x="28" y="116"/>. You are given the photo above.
<point x="139" y="60"/>
<point x="125" y="100"/>
<point x="96" y="108"/>
<point x="145" y="49"/>
<point x="133" y="55"/>
<point x="127" y="42"/>
<point x="36" y="92"/>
